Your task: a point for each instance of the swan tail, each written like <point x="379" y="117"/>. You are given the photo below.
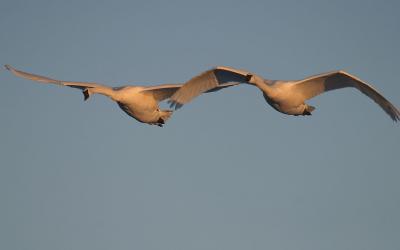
<point x="308" y="110"/>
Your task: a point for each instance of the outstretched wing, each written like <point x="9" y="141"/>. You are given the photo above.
<point x="43" y="79"/>
<point x="208" y="81"/>
<point x="162" y="92"/>
<point x="84" y="86"/>
<point x="319" y="84"/>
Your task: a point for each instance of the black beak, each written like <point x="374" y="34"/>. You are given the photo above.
<point x="85" y="94"/>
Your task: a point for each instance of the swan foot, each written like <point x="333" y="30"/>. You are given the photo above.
<point x="160" y="122"/>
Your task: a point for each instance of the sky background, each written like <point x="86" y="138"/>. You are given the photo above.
<point x="227" y="171"/>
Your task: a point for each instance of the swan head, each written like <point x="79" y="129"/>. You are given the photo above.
<point x="253" y="79"/>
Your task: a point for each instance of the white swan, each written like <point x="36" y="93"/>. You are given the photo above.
<point x="139" y="102"/>
<point x="287" y="97"/>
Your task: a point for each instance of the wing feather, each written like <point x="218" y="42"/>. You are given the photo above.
<point x="162" y="92"/>
<point x="315" y="85"/>
<point x="43" y="79"/>
<point x="208" y="81"/>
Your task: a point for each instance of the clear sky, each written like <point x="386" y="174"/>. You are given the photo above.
<point x="227" y="171"/>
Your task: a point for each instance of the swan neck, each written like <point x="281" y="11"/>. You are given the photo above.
<point x="264" y="85"/>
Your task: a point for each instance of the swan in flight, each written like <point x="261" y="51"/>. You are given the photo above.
<point x="287" y="97"/>
<point x="139" y="102"/>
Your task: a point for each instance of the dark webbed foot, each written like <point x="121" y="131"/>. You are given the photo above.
<point x="160" y="122"/>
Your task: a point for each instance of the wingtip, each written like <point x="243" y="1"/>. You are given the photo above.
<point x="8" y="67"/>
<point x="178" y="106"/>
<point x="174" y="105"/>
<point x="395" y="114"/>
<point x="396" y="118"/>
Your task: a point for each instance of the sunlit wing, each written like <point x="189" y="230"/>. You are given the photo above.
<point x="208" y="81"/>
<point x="162" y="92"/>
<point x="319" y="84"/>
<point x="43" y="79"/>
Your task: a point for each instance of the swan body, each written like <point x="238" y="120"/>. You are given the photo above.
<point x="139" y="102"/>
<point x="288" y="97"/>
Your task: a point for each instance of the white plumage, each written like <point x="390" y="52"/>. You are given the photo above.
<point x="139" y="102"/>
<point x="287" y="97"/>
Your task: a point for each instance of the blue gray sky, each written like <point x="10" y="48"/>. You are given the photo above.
<point x="227" y="171"/>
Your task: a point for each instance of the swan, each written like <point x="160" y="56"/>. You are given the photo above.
<point x="139" y="102"/>
<point x="287" y="97"/>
